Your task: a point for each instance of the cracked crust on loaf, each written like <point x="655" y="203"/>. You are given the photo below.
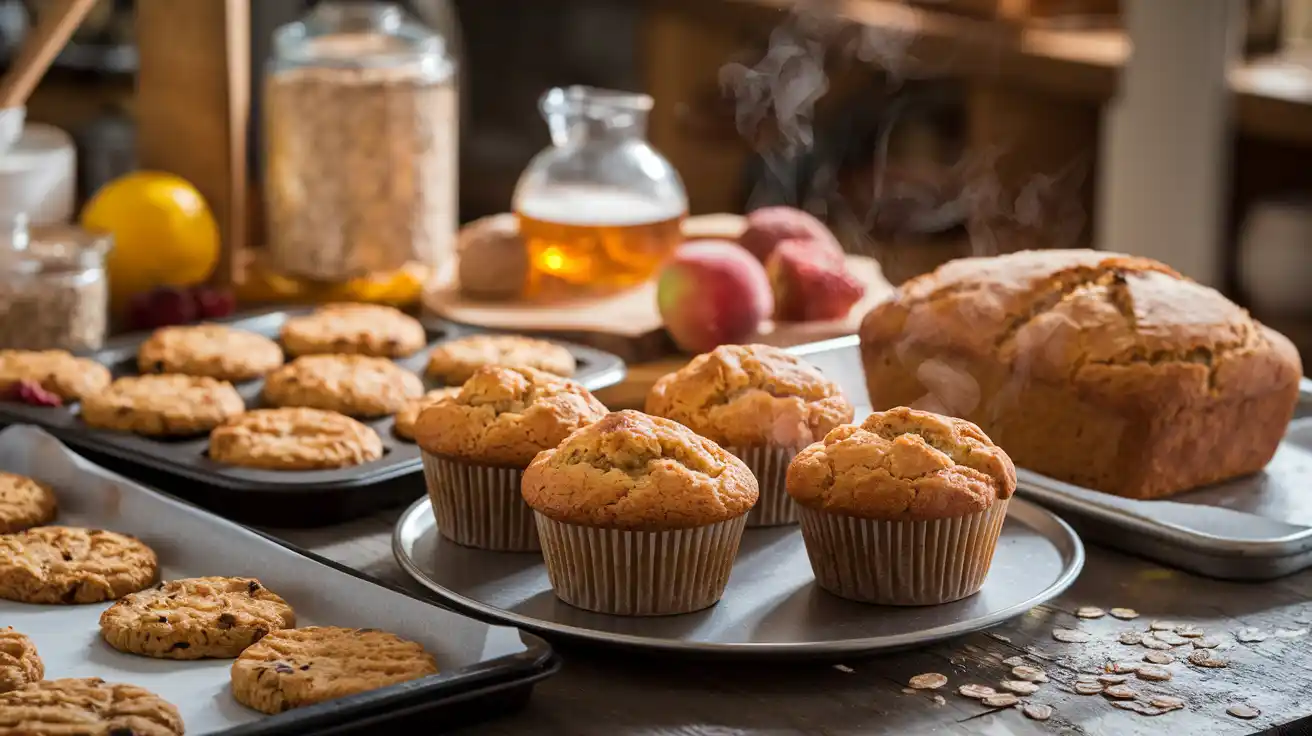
<point x="506" y="416"/>
<point x="902" y="465"/>
<point x="751" y="396"/>
<point x="637" y="472"/>
<point x="1105" y="370"/>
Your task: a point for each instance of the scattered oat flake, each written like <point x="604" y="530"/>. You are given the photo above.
<point x="1243" y="710"/>
<point x="1207" y="642"/>
<point x="1070" y="636"/>
<point x="1153" y="673"/>
<point x="1124" y="614"/>
<point x="1001" y="638"/>
<point x="1020" y="687"/>
<point x="1189" y="631"/>
<point x="1250" y="635"/>
<point x="1112" y="679"/>
<point x="1205" y="658"/>
<point x="1133" y="638"/>
<point x="1086" y="678"/>
<point x="940" y="700"/>
<point x="1037" y="711"/>
<point x="1001" y="700"/>
<point x="844" y="668"/>
<point x="1124" y="667"/>
<point x="1167" y="701"/>
<point x="1170" y="637"/>
<point x="928" y="681"/>
<point x="1090" y="612"/>
<point x="1120" y="692"/>
<point x="1142" y="709"/>
<point x="1088" y="688"/>
<point x="1162" y="626"/>
<point x="1014" y="661"/>
<point x="1152" y="642"/>
<point x="1158" y="658"/>
<point x="1033" y="674"/>
<point x="1290" y="633"/>
<point x="908" y="691"/>
<point x="978" y="692"/>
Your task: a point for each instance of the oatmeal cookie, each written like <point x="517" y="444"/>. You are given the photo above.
<point x="157" y="406"/>
<point x="63" y="564"/>
<point x="404" y="421"/>
<point x="454" y="362"/>
<point x="88" y="706"/>
<point x="195" y="618"/>
<point x="294" y="439"/>
<point x="216" y="351"/>
<point x="751" y="396"/>
<point x="292" y="668"/>
<point x="633" y="471"/>
<point x="355" y="385"/>
<point x="24" y="503"/>
<point x="57" y="371"/>
<point x="19" y="663"/>
<point x="506" y="416"/>
<point x="357" y="329"/>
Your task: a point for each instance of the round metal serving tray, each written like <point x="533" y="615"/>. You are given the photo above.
<point x="772" y="605"/>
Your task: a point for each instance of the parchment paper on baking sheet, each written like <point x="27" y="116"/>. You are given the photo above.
<point x="191" y="542"/>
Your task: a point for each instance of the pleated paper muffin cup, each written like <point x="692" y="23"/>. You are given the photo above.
<point x="774" y="507"/>
<point x="902" y="563"/>
<point x="638" y="573"/>
<point x="479" y="505"/>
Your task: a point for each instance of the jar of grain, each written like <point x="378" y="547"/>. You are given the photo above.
<point x="361" y="119"/>
<point x="53" y="291"/>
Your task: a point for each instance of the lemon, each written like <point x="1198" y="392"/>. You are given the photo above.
<point x="164" y="233"/>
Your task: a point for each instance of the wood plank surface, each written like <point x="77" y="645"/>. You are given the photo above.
<point x="613" y="692"/>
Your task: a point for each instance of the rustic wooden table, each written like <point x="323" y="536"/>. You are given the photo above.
<point x="607" y="692"/>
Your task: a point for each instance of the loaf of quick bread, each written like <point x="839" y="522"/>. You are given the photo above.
<point x="1100" y="369"/>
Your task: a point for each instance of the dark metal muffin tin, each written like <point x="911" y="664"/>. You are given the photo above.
<point x="294" y="498"/>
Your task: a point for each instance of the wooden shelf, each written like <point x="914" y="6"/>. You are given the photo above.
<point x="1273" y="95"/>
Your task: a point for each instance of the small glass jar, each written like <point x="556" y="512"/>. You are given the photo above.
<point x="361" y="120"/>
<point x="53" y="290"/>
<point x="600" y="209"/>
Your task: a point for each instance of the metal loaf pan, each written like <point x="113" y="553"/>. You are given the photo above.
<point x="270" y="497"/>
<point x="1254" y="528"/>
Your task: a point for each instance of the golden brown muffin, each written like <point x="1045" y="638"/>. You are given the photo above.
<point x="750" y="396"/>
<point x="57" y="371"/>
<point x="163" y="405"/>
<point x="404" y="421"/>
<point x="454" y="362"/>
<point x="295" y="438"/>
<point x="355" y="329"/>
<point x="355" y="385"/>
<point x="216" y="351"/>
<point x="902" y="465"/>
<point x="633" y="471"/>
<point x="506" y="416"/>
<point x="1099" y="369"/>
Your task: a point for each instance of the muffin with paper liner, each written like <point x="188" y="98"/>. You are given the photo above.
<point x="903" y="509"/>
<point x="476" y="443"/>
<point x="760" y="403"/>
<point x="639" y="516"/>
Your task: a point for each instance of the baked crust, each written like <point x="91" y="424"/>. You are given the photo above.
<point x="355" y="385"/>
<point x="216" y="351"/>
<point x="350" y="328"/>
<point x="506" y="416"/>
<point x="637" y="472"/>
<point x="58" y="372"/>
<point x="454" y="362"/>
<point x="1100" y="369"/>
<point x="902" y="465"/>
<point x="751" y="396"/>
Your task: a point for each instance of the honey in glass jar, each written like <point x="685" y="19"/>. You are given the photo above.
<point x="599" y="210"/>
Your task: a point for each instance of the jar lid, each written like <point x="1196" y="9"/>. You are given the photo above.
<point x="353" y="35"/>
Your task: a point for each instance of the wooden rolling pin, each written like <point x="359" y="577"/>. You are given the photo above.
<point x="40" y="48"/>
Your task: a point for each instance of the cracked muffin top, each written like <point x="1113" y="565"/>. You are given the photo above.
<point x="637" y="472"/>
<point x="903" y="465"/>
<point x="751" y="396"/>
<point x="506" y="416"/>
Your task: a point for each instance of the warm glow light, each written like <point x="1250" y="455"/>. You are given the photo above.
<point x="553" y="259"/>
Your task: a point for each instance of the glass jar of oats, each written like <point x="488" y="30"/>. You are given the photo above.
<point x="53" y="291"/>
<point x="361" y="130"/>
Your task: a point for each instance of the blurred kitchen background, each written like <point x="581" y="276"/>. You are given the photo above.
<point x="945" y="127"/>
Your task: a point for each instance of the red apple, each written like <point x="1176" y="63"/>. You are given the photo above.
<point x="810" y="285"/>
<point x="770" y="226"/>
<point x="712" y="293"/>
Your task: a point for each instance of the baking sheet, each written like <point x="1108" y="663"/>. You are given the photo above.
<point x="771" y="607"/>
<point x="191" y="542"/>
